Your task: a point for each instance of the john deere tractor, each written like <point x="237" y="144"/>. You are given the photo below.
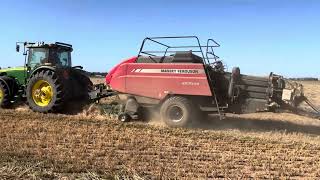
<point x="47" y="81"/>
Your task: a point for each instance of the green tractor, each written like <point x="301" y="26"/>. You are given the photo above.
<point x="47" y="81"/>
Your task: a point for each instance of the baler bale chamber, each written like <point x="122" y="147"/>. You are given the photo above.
<point x="186" y="82"/>
<point x="249" y="94"/>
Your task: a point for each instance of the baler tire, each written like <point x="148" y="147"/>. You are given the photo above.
<point x="183" y="108"/>
<point x="57" y="101"/>
<point x="124" y="117"/>
<point x="5" y="100"/>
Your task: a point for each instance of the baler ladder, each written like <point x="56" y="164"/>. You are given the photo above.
<point x="206" y="61"/>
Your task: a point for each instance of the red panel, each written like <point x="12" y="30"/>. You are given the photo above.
<point x="114" y="69"/>
<point x="156" y="80"/>
<point x="117" y="80"/>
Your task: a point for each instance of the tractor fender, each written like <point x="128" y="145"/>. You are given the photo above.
<point x="11" y="83"/>
<point x="42" y="68"/>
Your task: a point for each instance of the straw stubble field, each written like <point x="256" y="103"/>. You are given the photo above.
<point x="91" y="146"/>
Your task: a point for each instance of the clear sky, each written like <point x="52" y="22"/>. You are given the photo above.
<point x="259" y="36"/>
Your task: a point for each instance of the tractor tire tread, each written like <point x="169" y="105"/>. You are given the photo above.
<point x="59" y="96"/>
<point x="6" y="101"/>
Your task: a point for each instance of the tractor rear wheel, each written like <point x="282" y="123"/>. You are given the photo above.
<point x="4" y="96"/>
<point x="177" y="111"/>
<point x="45" y="92"/>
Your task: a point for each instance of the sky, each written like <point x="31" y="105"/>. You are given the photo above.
<point x="259" y="36"/>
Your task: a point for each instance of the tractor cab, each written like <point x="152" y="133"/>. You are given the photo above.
<point x="41" y="54"/>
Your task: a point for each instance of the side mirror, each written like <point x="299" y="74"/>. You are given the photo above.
<point x="28" y="67"/>
<point x="17" y="47"/>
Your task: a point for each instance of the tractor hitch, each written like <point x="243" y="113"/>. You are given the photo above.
<point x="101" y="91"/>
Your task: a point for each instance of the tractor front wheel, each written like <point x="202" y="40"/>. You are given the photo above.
<point x="177" y="111"/>
<point x="45" y="92"/>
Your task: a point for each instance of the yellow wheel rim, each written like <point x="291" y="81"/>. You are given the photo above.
<point x="42" y="93"/>
<point x="1" y="94"/>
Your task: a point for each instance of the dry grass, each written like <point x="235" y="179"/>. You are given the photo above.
<point x="36" y="145"/>
<point x="86" y="146"/>
<point x="97" y="80"/>
<point x="312" y="91"/>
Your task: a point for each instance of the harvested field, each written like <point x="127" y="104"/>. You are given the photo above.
<point x="263" y="145"/>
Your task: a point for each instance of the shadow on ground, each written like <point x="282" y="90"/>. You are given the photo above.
<point x="245" y="124"/>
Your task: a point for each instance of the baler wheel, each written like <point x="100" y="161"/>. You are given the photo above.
<point x="124" y="117"/>
<point x="177" y="111"/>
<point x="45" y="92"/>
<point x="4" y="96"/>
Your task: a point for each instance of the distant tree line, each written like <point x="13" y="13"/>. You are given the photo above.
<point x="98" y="74"/>
<point x="304" y="79"/>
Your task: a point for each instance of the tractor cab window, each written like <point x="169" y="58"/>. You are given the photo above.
<point x="54" y="56"/>
<point x="37" y="56"/>
<point x="60" y="57"/>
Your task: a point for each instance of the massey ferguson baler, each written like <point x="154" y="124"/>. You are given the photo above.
<point x="187" y="82"/>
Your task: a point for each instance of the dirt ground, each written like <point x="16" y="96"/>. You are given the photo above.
<point x="91" y="146"/>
